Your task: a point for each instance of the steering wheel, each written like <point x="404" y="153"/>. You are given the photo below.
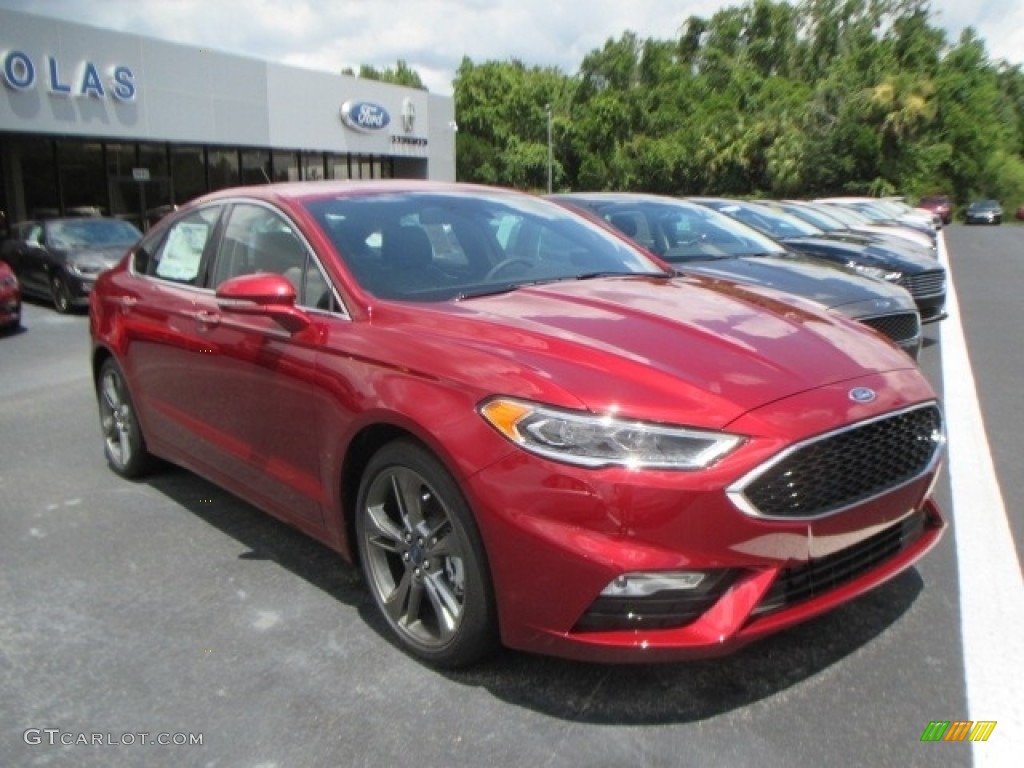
<point x="505" y="264"/>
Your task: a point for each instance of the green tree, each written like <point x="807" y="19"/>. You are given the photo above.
<point x="401" y="74"/>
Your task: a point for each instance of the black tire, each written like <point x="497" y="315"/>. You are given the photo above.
<point x="423" y="559"/>
<point x="61" y="294"/>
<point x="123" y="443"/>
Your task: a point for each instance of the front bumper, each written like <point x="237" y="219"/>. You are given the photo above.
<point x="10" y="305"/>
<point x="558" y="536"/>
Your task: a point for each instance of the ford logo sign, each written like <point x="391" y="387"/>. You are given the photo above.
<point x="365" y="116"/>
<point x="862" y="395"/>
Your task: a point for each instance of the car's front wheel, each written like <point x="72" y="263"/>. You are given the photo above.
<point x="61" y="294"/>
<point x="123" y="443"/>
<point x="422" y="557"/>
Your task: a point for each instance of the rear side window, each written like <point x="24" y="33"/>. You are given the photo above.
<point x="179" y="256"/>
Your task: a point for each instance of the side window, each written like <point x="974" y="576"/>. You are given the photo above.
<point x="180" y="255"/>
<point x="257" y="239"/>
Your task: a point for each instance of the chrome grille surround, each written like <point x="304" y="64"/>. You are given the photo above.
<point x="801" y="482"/>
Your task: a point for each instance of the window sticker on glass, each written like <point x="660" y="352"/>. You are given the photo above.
<point x="183" y="251"/>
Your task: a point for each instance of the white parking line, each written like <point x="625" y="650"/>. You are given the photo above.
<point x="991" y="586"/>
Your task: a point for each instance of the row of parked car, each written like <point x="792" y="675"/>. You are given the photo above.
<point x="605" y="427"/>
<point x="882" y="272"/>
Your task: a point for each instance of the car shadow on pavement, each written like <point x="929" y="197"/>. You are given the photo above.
<point x="682" y="692"/>
<point x="266" y="537"/>
<point x="603" y="694"/>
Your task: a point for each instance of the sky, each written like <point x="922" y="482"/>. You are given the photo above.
<point x="432" y="36"/>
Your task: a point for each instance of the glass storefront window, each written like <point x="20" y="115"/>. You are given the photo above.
<point x="83" y="180"/>
<point x="188" y="173"/>
<point x="337" y="166"/>
<point x="312" y="166"/>
<point x="121" y="158"/>
<point x="285" y="165"/>
<point x="223" y="165"/>
<point x="38" y="175"/>
<point x="255" y="166"/>
<point x="153" y="157"/>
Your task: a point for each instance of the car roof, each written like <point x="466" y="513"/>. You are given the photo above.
<point x="311" y="190"/>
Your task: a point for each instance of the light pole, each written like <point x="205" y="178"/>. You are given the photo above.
<point x="547" y="108"/>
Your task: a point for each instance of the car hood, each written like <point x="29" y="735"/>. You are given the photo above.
<point x="869" y="255"/>
<point x="106" y="256"/>
<point x="690" y="350"/>
<point x="827" y="283"/>
<point x="884" y="243"/>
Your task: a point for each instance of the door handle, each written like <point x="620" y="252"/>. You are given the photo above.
<point x="206" y="318"/>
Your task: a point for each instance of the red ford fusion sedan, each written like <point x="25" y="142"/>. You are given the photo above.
<point x="524" y="429"/>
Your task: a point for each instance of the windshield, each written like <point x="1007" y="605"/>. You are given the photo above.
<point x="820" y="219"/>
<point x="91" y="233"/>
<point x="772" y="223"/>
<point x="679" y="231"/>
<point x="873" y="211"/>
<point x="845" y="214"/>
<point x="439" y="246"/>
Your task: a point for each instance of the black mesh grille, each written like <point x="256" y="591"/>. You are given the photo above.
<point x="902" y="327"/>
<point x="818" y="576"/>
<point x="848" y="467"/>
<point x="930" y="283"/>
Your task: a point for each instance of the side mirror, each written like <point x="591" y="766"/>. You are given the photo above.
<point x="265" y="293"/>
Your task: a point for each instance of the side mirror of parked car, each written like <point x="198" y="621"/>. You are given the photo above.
<point x="266" y="294"/>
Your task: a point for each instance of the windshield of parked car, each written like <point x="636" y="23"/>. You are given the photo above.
<point x="438" y="246"/>
<point x="818" y="218"/>
<point x="844" y="213"/>
<point x="680" y="232"/>
<point x="772" y="223"/>
<point x="91" y="233"/>
<point x="873" y="211"/>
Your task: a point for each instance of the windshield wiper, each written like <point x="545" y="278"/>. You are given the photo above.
<point x="497" y="290"/>
<point x="595" y="275"/>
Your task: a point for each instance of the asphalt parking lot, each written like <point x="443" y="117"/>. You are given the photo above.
<point x="169" y="608"/>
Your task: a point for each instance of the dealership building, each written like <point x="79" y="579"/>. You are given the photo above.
<point x="96" y="119"/>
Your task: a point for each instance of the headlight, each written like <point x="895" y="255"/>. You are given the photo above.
<point x="591" y="440"/>
<point x="875" y="272"/>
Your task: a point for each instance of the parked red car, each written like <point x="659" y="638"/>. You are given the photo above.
<point x="939" y="204"/>
<point x="522" y="426"/>
<point x="10" y="298"/>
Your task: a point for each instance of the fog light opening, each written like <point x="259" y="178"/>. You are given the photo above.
<point x="644" y="584"/>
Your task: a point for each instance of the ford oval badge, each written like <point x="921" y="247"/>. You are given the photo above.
<point x="365" y="116"/>
<point x="862" y="395"/>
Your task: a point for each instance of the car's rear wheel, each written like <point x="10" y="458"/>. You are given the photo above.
<point x="422" y="557"/>
<point x="61" y="294"/>
<point x="123" y="443"/>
